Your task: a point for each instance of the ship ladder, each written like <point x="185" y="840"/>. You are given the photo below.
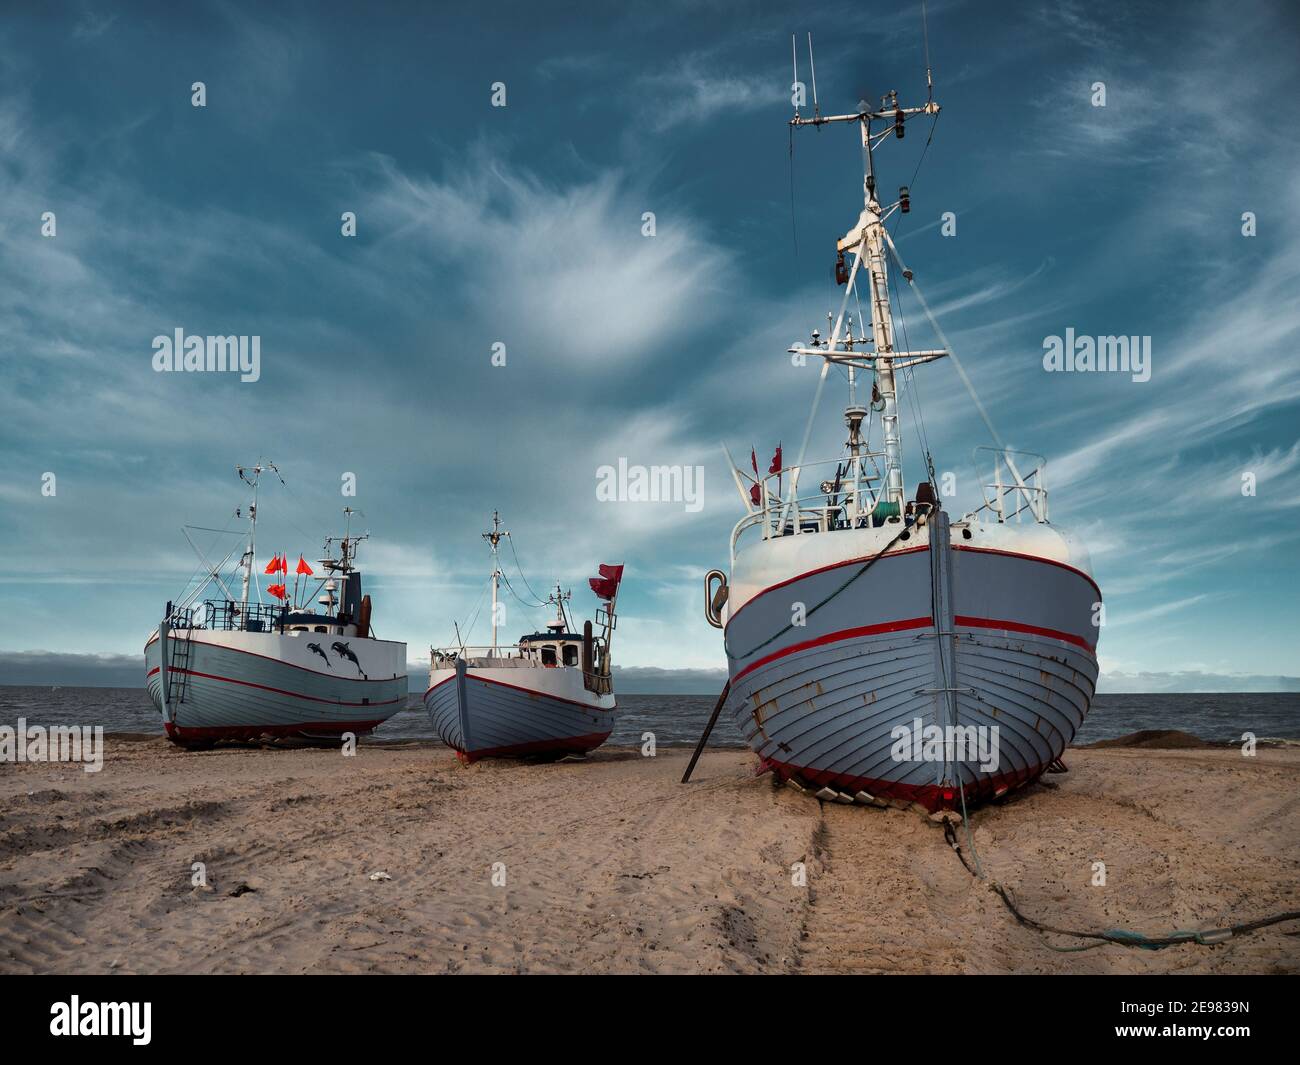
<point x="178" y="675"/>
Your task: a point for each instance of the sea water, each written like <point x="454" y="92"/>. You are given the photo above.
<point x="678" y="720"/>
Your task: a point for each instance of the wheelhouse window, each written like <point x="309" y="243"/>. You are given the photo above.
<point x="570" y="654"/>
<point x="548" y="656"/>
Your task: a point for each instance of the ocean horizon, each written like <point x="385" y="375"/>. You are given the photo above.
<point x="677" y="720"/>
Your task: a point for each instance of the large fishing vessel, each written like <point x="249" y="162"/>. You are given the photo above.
<point x="225" y="665"/>
<point x="548" y="695"/>
<point x="878" y="648"/>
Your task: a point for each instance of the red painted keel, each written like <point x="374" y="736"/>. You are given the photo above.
<point x="569" y="745"/>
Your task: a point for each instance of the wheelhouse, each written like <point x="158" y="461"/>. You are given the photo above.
<point x="552" y="648"/>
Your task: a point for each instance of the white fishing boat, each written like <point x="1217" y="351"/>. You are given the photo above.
<point x="547" y="695"/>
<point x="241" y="666"/>
<point x="880" y="650"/>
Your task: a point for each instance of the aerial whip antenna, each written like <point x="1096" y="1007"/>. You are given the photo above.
<point x="794" y="56"/>
<point x="813" y="68"/>
<point x="925" y="36"/>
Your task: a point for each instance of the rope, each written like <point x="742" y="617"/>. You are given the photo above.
<point x="952" y="354"/>
<point x="515" y="555"/>
<point x="477" y="609"/>
<point x="809" y="613"/>
<point x="1127" y="938"/>
<point x="794" y="232"/>
<point x="913" y="392"/>
<point x="522" y="602"/>
<point x="898" y="221"/>
<point x="1123" y="937"/>
<point x="302" y="505"/>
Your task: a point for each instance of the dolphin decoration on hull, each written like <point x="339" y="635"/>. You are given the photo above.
<point x="344" y="651"/>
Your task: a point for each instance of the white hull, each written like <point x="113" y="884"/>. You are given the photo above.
<point x="241" y="685"/>
<point x="503" y="711"/>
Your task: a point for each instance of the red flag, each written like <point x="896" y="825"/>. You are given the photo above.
<point x="753" y="460"/>
<point x="606" y="585"/>
<point x="776" y="461"/>
<point x="756" y="495"/>
<point x="284" y="564"/>
<point x="276" y="590"/>
<point x="273" y="566"/>
<point x="303" y="567"/>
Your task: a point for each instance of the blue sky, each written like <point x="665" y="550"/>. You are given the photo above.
<point x="523" y="225"/>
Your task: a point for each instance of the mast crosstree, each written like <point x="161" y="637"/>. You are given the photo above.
<point x="494" y="537"/>
<point x="251" y="475"/>
<point x="866" y="243"/>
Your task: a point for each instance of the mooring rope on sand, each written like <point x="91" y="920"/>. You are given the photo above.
<point x="1123" y="937"/>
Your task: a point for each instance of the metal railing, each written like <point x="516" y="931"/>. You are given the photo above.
<point x="225" y="615"/>
<point x="1012" y="491"/>
<point x="827" y="498"/>
<point x="478" y="651"/>
<point x="184" y="617"/>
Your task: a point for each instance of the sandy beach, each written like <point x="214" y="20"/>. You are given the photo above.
<point x="610" y="865"/>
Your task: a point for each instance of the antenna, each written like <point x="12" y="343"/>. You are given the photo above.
<point x="925" y="36"/>
<point x="813" y="67"/>
<point x="794" y="55"/>
<point x="866" y="243"/>
<point x="250" y="553"/>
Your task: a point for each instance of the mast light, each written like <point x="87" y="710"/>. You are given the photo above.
<point x="904" y="199"/>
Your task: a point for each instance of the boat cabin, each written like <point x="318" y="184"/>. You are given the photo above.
<point x="552" y="648"/>
<point x="302" y="621"/>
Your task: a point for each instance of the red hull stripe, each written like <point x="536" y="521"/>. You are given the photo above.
<point x="911" y="550"/>
<point x="277" y="691"/>
<point x="1016" y="626"/>
<point x="179" y="733"/>
<point x="280" y="661"/>
<point x="823" y="569"/>
<point x="834" y="637"/>
<point x="1032" y="558"/>
<point x="575" y="744"/>
<point x="540" y="695"/>
<point x="527" y="691"/>
<point x="914" y="623"/>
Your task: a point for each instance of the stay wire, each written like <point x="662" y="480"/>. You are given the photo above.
<point x="794" y="232"/>
<point x="520" y="569"/>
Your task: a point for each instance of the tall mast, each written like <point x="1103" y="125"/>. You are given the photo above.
<point x="250" y="553"/>
<point x="347" y="541"/>
<point x="561" y="623"/>
<point x="866" y="242"/>
<point x="494" y="538"/>
<point x="882" y="323"/>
